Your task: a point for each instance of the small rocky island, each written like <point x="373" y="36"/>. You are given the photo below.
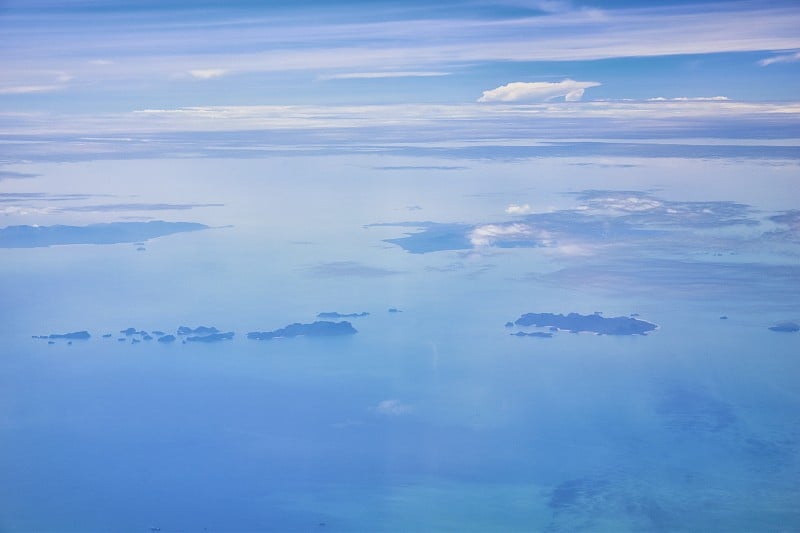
<point x="200" y="330"/>
<point x="577" y="323"/>
<point x="540" y="334"/>
<point x="211" y="337"/>
<point x="210" y="334"/>
<point x="315" y="329"/>
<point x="342" y="315"/>
<point x="74" y="335"/>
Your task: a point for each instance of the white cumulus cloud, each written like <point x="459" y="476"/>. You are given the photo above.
<point x="570" y="90"/>
<point x="515" y="209"/>
<point x="490" y="233"/>
<point x="207" y="73"/>
<point x="392" y="408"/>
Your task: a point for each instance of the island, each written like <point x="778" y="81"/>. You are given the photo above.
<point x="342" y="315"/>
<point x="394" y="310"/>
<point x="73" y="335"/>
<point x="200" y="330"/>
<point x="211" y="337"/>
<point x="132" y="331"/>
<point x="532" y="334"/>
<point x="315" y="329"/>
<point x="103" y="233"/>
<point x="594" y="323"/>
<point x="785" y="327"/>
<point x="210" y="334"/>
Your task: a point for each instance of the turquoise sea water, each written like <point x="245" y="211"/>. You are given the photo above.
<point x="433" y="418"/>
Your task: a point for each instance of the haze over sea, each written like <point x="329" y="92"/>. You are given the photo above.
<point x="506" y="266"/>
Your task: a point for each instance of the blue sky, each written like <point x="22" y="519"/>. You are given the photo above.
<point x="68" y="56"/>
<point x="365" y="73"/>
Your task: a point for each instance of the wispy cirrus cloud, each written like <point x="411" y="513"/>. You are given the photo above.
<point x="690" y="99"/>
<point x="570" y="90"/>
<point x="783" y="58"/>
<point x="28" y="89"/>
<point x="33" y="81"/>
<point x="10" y="174"/>
<point x="412" y="44"/>
<point x="383" y="74"/>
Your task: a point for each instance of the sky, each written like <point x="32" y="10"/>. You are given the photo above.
<point x="95" y="65"/>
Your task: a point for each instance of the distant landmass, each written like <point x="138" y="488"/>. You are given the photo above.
<point x="786" y="327"/>
<point x="211" y="337"/>
<point x="532" y="334"/>
<point x="74" y="335"/>
<point x="200" y="330"/>
<point x="210" y="334"/>
<point x="106" y="233"/>
<point x="596" y="323"/>
<point x="132" y="331"/>
<point x="315" y="329"/>
<point x="341" y="315"/>
<point x="432" y="237"/>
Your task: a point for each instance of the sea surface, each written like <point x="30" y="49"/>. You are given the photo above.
<point x="434" y="417"/>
